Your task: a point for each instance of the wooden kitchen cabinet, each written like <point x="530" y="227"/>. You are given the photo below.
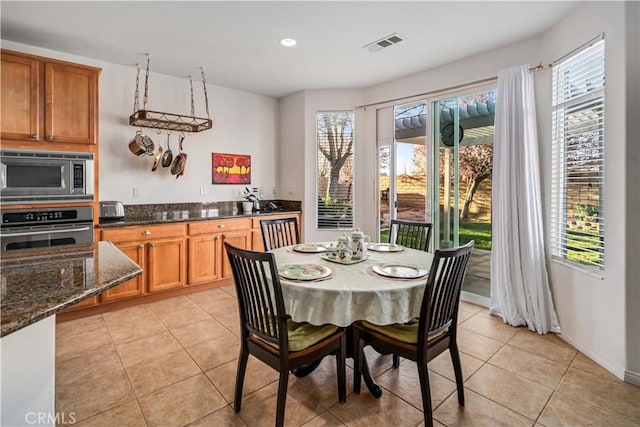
<point x="176" y="258"/>
<point x="167" y="264"/>
<point x="239" y="239"/>
<point x="46" y="102"/>
<point x="161" y="252"/>
<point x="207" y="257"/>
<point x="204" y="252"/>
<point x="130" y="288"/>
<point x="21" y="98"/>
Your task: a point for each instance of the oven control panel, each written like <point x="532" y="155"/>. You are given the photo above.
<point x="40" y="216"/>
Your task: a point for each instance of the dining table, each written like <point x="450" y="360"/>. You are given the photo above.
<point x="384" y="287"/>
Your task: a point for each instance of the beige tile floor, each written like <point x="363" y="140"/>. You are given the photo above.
<point x="173" y="362"/>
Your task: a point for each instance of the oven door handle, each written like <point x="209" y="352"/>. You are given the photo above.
<point x="31" y="233"/>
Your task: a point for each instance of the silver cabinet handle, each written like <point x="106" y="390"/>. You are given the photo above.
<point x="220" y="225"/>
<point x="145" y="233"/>
<point x="140" y="246"/>
<point x="33" y="136"/>
<point x="153" y="245"/>
<point x="49" y="137"/>
<point x="30" y="233"/>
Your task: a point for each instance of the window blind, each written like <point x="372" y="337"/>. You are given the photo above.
<point x="578" y="138"/>
<point x="334" y="180"/>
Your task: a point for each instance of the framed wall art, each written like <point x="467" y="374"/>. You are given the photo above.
<point x="230" y="168"/>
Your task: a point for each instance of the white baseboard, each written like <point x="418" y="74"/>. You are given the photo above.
<point x="614" y="368"/>
<point x="475" y="299"/>
<point x="632" y="378"/>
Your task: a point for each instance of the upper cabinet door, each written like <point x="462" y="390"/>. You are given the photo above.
<point x="70" y="104"/>
<point x="20" y="98"/>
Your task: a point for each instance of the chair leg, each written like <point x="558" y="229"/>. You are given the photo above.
<point x="357" y="360"/>
<point x="282" y="397"/>
<point x="342" y="379"/>
<point x="423" y="374"/>
<point x="457" y="370"/>
<point x="396" y="361"/>
<point x="242" y="367"/>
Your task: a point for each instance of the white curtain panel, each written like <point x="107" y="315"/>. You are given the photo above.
<point x="519" y="282"/>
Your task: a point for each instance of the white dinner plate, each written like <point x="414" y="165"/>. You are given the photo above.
<point x="304" y="271"/>
<point x="385" y="247"/>
<point x="309" y="248"/>
<point x="400" y="271"/>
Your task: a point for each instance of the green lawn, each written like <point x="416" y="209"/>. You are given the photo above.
<point x="478" y="231"/>
<point x="583" y="248"/>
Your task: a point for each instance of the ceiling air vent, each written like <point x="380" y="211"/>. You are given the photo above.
<point x="387" y="41"/>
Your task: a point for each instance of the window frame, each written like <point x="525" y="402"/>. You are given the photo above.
<point x="349" y="222"/>
<point x="574" y="94"/>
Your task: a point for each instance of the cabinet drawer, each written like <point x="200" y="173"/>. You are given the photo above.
<point x="256" y="221"/>
<point x="143" y="233"/>
<point x="208" y="227"/>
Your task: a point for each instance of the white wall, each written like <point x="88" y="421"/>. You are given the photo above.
<point x="291" y="148"/>
<point x="592" y="310"/>
<point x="243" y="123"/>
<point x="633" y="191"/>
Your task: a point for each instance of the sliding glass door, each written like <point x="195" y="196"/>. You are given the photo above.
<point x="463" y="129"/>
<point x="403" y="168"/>
<point x="441" y="156"/>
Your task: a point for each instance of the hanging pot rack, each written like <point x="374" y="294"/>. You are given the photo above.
<point x="167" y="121"/>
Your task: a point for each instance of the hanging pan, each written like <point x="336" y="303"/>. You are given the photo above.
<point x="167" y="157"/>
<point x="180" y="161"/>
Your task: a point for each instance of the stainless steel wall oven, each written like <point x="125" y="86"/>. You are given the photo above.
<point x="45" y="227"/>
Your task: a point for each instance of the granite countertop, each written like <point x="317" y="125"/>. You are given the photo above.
<point x="146" y="220"/>
<point x="35" y="284"/>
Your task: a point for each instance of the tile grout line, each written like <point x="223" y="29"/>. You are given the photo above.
<point x="202" y="371"/>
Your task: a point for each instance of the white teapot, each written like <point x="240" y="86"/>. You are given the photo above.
<point x="344" y="249"/>
<point x="359" y="242"/>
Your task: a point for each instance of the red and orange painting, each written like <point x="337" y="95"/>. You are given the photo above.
<point x="230" y="168"/>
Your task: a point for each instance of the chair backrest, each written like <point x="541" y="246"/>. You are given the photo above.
<point x="259" y="293"/>
<point x="414" y="235"/>
<point x="277" y="233"/>
<point x="439" y="308"/>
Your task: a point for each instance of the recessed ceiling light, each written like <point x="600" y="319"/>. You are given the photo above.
<point x="288" y="42"/>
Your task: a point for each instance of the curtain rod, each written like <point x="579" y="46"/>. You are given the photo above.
<point x="537" y="68"/>
<point x="589" y="43"/>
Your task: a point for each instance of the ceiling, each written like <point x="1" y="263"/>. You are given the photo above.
<point x="238" y="41"/>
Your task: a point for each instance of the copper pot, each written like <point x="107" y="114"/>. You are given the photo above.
<point x="141" y="144"/>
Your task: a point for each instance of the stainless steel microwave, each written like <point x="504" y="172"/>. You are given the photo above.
<point x="45" y="177"/>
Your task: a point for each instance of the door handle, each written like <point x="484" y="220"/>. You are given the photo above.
<point x="31" y="233"/>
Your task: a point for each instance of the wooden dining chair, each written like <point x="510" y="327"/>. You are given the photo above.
<point x="277" y="233"/>
<point x="429" y="335"/>
<point x="411" y="234"/>
<point x="414" y="235"/>
<point x="269" y="334"/>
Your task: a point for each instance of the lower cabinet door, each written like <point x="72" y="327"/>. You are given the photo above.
<point x="166" y="264"/>
<point x="135" y="286"/>
<point x="204" y="252"/>
<point x="240" y="240"/>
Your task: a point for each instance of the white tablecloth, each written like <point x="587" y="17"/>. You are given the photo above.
<point x="353" y="293"/>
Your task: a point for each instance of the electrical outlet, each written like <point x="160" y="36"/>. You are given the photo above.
<point x="136" y="192"/>
<point x="203" y="191"/>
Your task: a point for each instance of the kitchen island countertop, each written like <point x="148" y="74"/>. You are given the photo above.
<point x="37" y="283"/>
